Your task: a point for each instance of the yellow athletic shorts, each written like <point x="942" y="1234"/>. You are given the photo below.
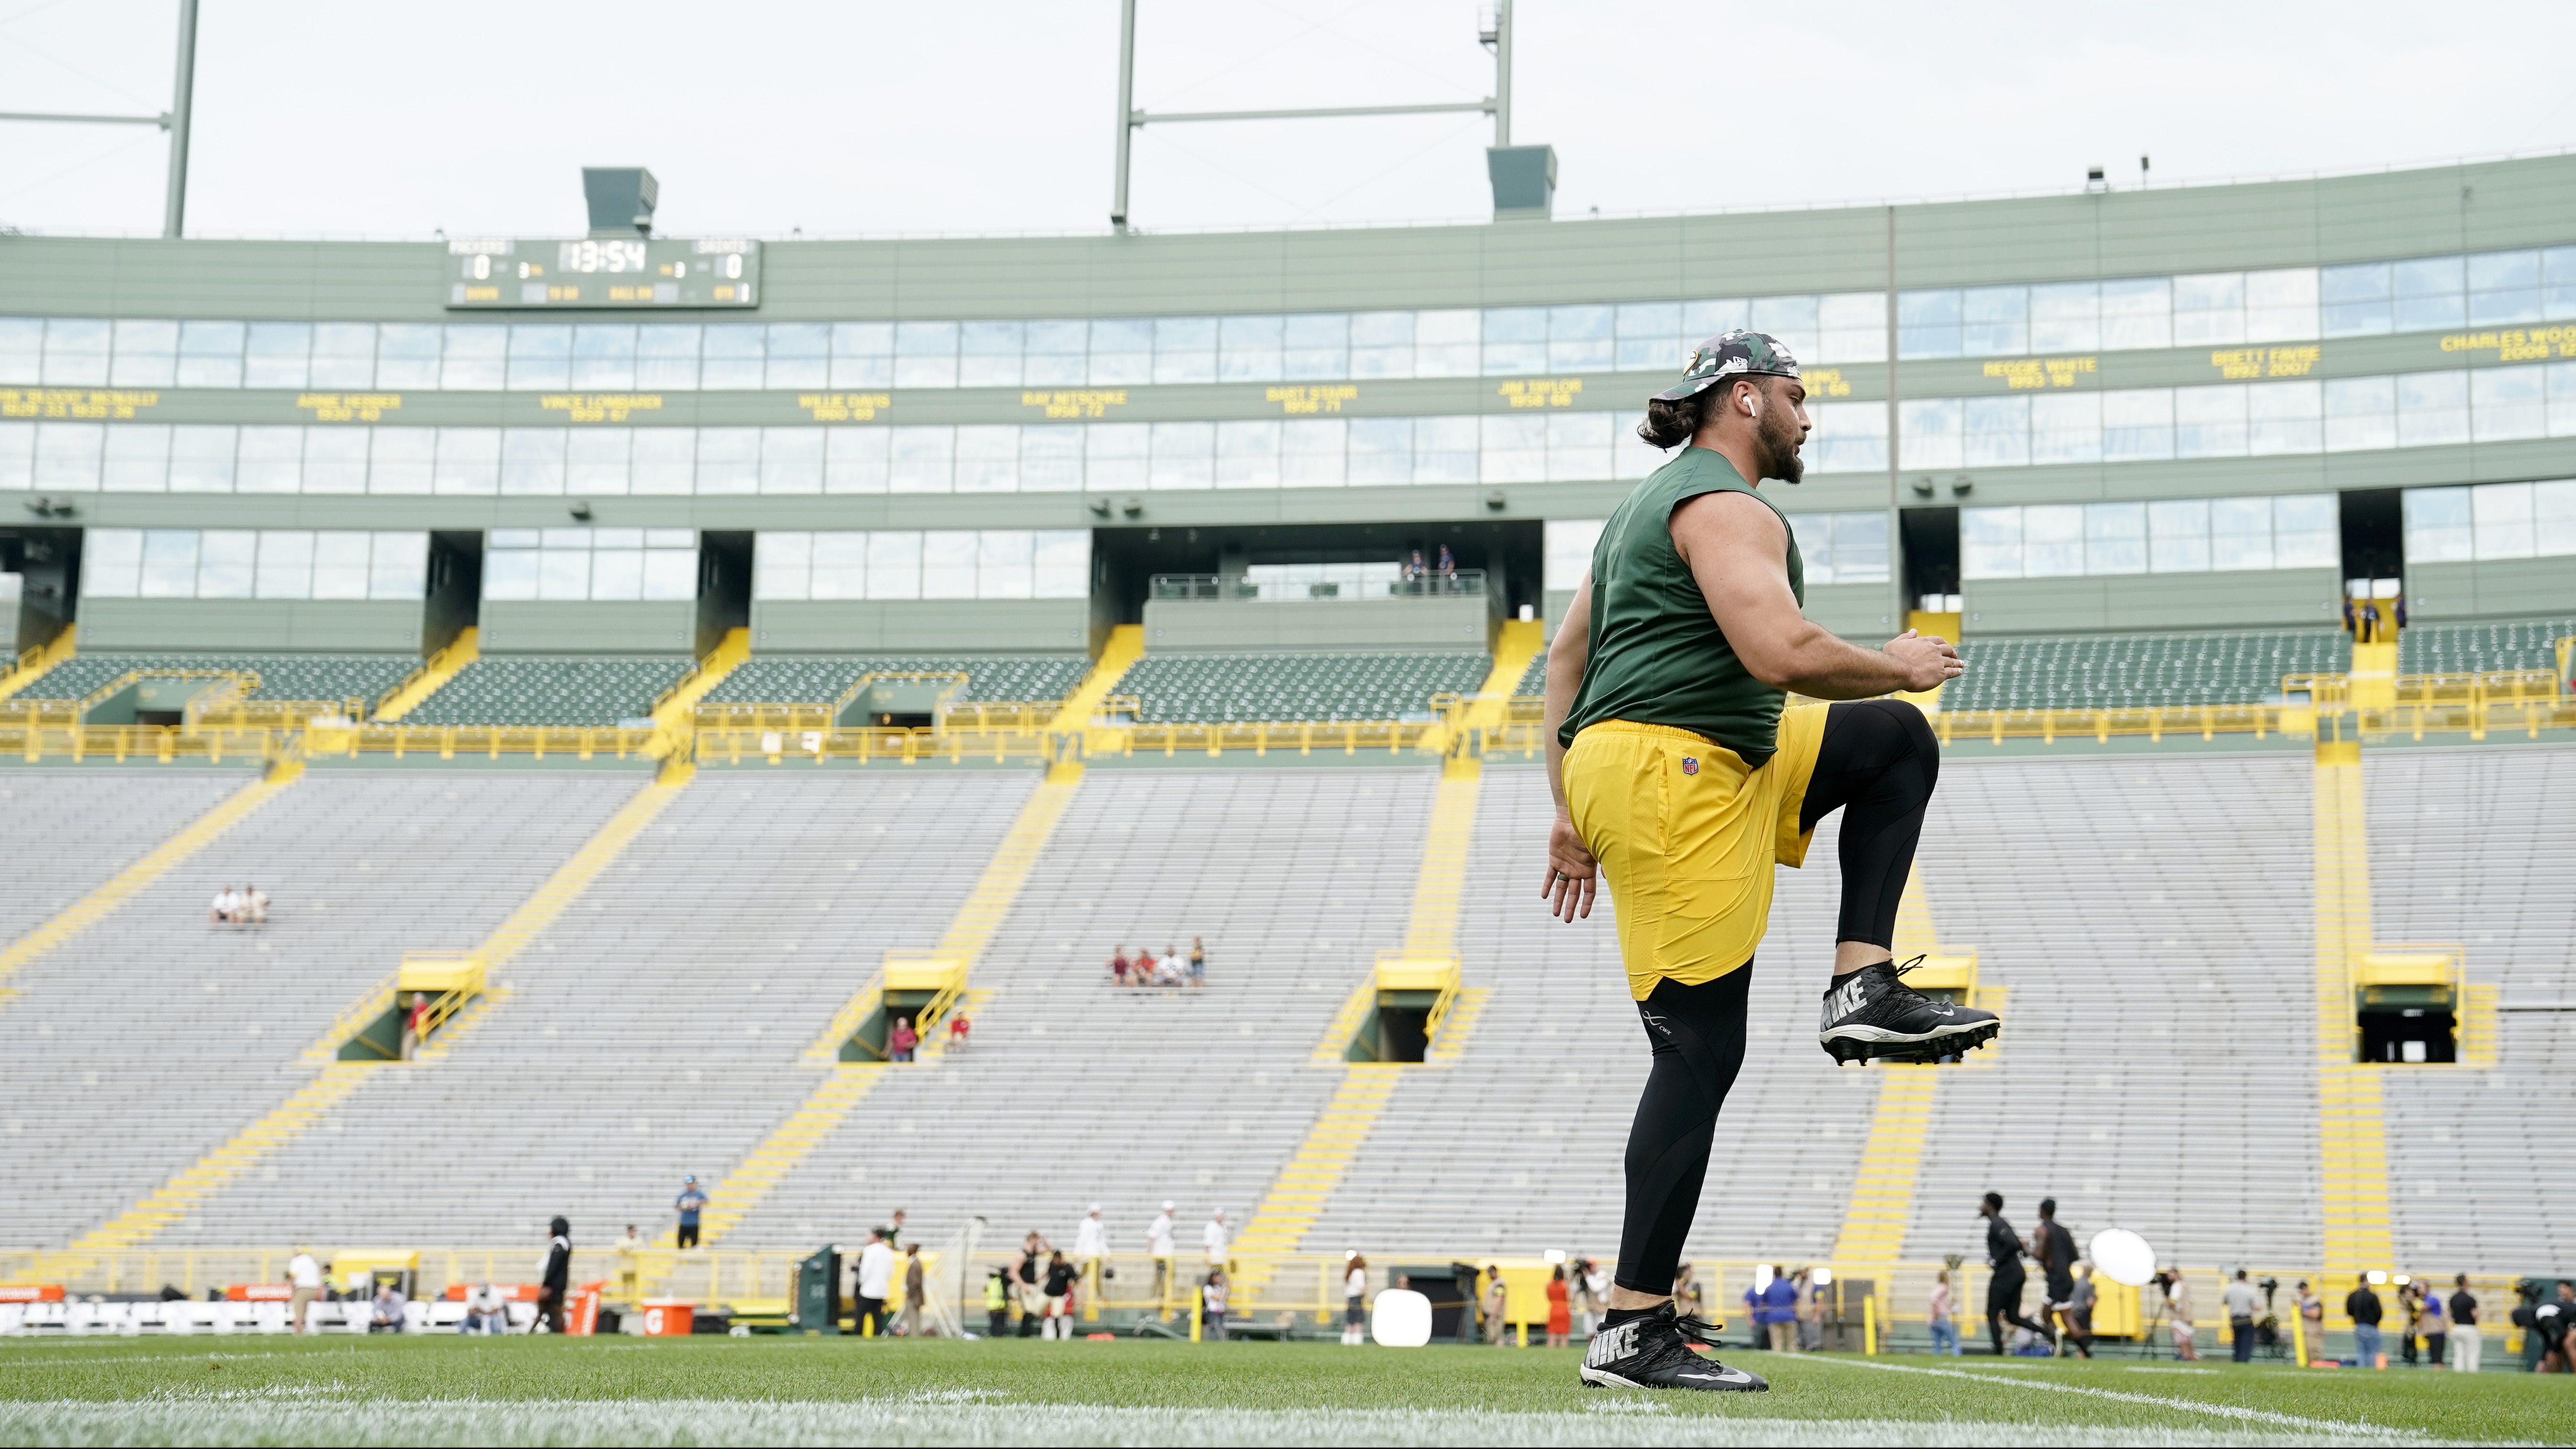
<point x="1686" y="837"/>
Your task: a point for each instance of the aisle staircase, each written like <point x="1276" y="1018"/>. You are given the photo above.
<point x="173" y="1200"/>
<point x="334" y="1081"/>
<point x="2352" y="1133"/>
<point x="739" y="1191"/>
<point x="427" y="680"/>
<point x="117" y="889"/>
<point x="742" y="1189"/>
<point x="31" y="665"/>
<point x="1126" y="645"/>
<point x="1298" y="1196"/>
<point x="676" y="712"/>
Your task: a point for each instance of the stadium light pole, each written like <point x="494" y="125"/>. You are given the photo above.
<point x="1497" y="105"/>
<point x="175" y="121"/>
<point x="183" y="100"/>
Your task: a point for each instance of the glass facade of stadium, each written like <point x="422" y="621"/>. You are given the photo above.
<point x="2186" y="408"/>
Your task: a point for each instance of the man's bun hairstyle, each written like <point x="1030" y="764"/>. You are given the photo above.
<point x="1669" y="424"/>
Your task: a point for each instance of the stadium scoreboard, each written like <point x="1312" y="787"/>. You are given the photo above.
<point x="614" y="271"/>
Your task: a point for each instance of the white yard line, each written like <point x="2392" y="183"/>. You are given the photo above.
<point x="218" y="1417"/>
<point x="2161" y="1401"/>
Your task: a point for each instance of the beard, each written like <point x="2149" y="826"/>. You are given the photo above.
<point x="1777" y="442"/>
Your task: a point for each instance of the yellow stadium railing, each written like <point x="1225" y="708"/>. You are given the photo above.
<point x="817" y="745"/>
<point x="448" y="742"/>
<point x="124" y="744"/>
<point x="1288" y="1290"/>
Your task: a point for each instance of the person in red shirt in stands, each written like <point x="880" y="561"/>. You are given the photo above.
<point x="901" y="1041"/>
<point x="1118" y="966"/>
<point x="958" y="1026"/>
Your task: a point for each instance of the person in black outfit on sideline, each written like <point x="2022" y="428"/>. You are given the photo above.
<point x="558" y="1279"/>
<point x="2054" y="1247"/>
<point x="2005" y="1282"/>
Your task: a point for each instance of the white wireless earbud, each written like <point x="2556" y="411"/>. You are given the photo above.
<point x="1753" y="404"/>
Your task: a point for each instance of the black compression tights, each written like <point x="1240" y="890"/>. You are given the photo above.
<point x="1877" y="764"/>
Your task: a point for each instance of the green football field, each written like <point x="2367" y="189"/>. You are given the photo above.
<point x="449" y="1390"/>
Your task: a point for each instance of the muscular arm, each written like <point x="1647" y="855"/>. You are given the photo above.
<point x="1571" y="877"/>
<point x="1738" y="551"/>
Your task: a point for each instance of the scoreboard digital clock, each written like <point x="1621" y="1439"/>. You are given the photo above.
<point x="615" y="272"/>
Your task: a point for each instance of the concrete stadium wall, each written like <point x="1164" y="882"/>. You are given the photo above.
<point x="1043" y="625"/>
<point x="586" y="628"/>
<point x="2500" y="587"/>
<point x="1225" y="625"/>
<point x="339" y="626"/>
<point x="2285" y="597"/>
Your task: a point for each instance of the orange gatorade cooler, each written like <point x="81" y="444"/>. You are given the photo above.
<point x="669" y="1318"/>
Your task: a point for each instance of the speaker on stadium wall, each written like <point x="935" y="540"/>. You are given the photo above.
<point x="1400" y="1319"/>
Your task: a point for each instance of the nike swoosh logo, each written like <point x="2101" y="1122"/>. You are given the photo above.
<point x="1731" y="1376"/>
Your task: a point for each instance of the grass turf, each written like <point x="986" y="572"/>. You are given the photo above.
<point x="709" y="1390"/>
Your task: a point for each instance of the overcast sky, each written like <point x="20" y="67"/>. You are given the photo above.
<point x="860" y="117"/>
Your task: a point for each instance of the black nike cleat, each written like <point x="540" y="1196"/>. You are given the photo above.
<point x="1876" y="1016"/>
<point x="1653" y="1352"/>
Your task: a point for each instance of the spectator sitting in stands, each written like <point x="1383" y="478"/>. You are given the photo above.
<point x="388" y="1316"/>
<point x="1118" y="966"/>
<point x="1198" y="964"/>
<point x="958" y="1026"/>
<point x="1141" y="972"/>
<point x="486" y="1312"/>
<point x="226" y="907"/>
<point x="255" y="905"/>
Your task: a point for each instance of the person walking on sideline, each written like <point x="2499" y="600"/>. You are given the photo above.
<point x="916" y="1294"/>
<point x="688" y="1205"/>
<point x="1354" y="1299"/>
<point x="2005" y="1279"/>
<point x="1059" y="1297"/>
<point x="2186" y="1334"/>
<point x="1560" y="1312"/>
<point x="304" y="1279"/>
<point x="630" y="1260"/>
<point x="1496" y="1305"/>
<point x="2243" y="1303"/>
<point x="997" y="1304"/>
<point x="1158" y="1246"/>
<point x="2364" y="1308"/>
<point x="1212" y="1300"/>
<point x="2435" y="1324"/>
<point x="876" y="1282"/>
<point x="2464" y="1327"/>
<point x="1945" y="1329"/>
<point x="557" y="1279"/>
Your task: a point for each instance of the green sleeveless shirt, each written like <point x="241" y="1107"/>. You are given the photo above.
<point x="1656" y="656"/>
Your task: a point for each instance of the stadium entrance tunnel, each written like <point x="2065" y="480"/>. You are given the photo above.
<point x="164" y="697"/>
<point x="1409" y="997"/>
<point x="446" y="986"/>
<point x="920" y="990"/>
<point x="892" y="699"/>
<point x="2406" y="1006"/>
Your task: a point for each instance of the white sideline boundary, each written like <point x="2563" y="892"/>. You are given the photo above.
<point x="2353" y="1427"/>
<point x="332" y="1414"/>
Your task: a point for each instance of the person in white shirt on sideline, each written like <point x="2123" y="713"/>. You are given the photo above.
<point x="486" y="1312"/>
<point x="303" y="1284"/>
<point x="1219" y="1240"/>
<point x="1158" y="1246"/>
<point x="1090" y="1249"/>
<point x="876" y="1281"/>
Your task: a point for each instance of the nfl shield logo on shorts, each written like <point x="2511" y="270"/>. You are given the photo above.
<point x="1690" y="765"/>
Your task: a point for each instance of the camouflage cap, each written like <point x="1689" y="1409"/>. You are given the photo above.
<point x="1740" y="353"/>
